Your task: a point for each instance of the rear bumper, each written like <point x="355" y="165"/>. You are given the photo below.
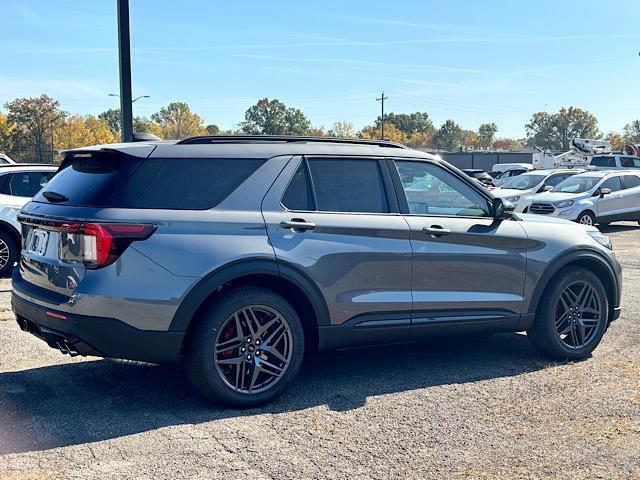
<point x="96" y="336"/>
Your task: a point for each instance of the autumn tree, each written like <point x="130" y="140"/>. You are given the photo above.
<point x="449" y="136"/>
<point x="616" y="140"/>
<point x="34" y="120"/>
<point x="631" y="132"/>
<point x="391" y="133"/>
<point x="6" y="134"/>
<point x="78" y="131"/>
<point x="342" y="130"/>
<point x="177" y="121"/>
<point x="420" y="140"/>
<point x="408" y="123"/>
<point x="556" y="131"/>
<point x="272" y="117"/>
<point x="507" y="144"/>
<point x="112" y="118"/>
<point x="486" y="132"/>
<point x="213" y="129"/>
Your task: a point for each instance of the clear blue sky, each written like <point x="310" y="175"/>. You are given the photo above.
<point x="467" y="60"/>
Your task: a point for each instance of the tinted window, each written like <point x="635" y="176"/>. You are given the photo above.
<point x="431" y="190"/>
<point x="348" y="185"/>
<point x="89" y="180"/>
<point x="554" y="180"/>
<point x="26" y="184"/>
<point x="613" y="183"/>
<point x="603" y="161"/>
<point x="630" y="162"/>
<point x="631" y="181"/>
<point x="298" y="195"/>
<point x="184" y="183"/>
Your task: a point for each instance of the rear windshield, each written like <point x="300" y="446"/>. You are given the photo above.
<point x="177" y="183"/>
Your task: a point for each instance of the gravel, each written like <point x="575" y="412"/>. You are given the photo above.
<point x="456" y="408"/>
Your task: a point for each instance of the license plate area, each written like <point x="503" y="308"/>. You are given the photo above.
<point x="37" y="242"/>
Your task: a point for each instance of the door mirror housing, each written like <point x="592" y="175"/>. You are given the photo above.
<point x="547" y="188"/>
<point x="502" y="208"/>
<point x="604" y="191"/>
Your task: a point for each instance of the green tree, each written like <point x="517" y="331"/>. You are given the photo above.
<point x="112" y="118"/>
<point x="556" y="131"/>
<point x="213" y="129"/>
<point x="272" y="117"/>
<point x="631" y="132"/>
<point x="342" y="130"/>
<point x="177" y="121"/>
<point x="449" y="136"/>
<point x="486" y="132"/>
<point x="408" y="123"/>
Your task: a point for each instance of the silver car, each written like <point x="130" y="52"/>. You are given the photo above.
<point x="236" y="255"/>
<point x="594" y="197"/>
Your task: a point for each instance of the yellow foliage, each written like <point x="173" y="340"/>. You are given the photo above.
<point x="391" y="133"/>
<point x="78" y="131"/>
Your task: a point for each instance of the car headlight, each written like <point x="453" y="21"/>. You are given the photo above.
<point x="601" y="238"/>
<point x="563" y="204"/>
<point x="513" y="199"/>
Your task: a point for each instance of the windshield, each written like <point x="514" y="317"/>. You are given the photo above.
<point x="524" y="182"/>
<point x="576" y="184"/>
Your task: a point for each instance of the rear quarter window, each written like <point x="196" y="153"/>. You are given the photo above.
<point x="184" y="183"/>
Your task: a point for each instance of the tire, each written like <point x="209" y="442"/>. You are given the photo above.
<point x="226" y="375"/>
<point x="8" y="253"/>
<point x="586" y="218"/>
<point x="552" y="317"/>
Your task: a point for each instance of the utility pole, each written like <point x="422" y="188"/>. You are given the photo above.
<point x="381" y="100"/>
<point x="124" y="54"/>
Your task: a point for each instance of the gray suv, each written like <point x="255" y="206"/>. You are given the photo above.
<point x="237" y="255"/>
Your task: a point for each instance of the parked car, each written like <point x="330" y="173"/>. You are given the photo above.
<point x="481" y="175"/>
<point x="614" y="162"/>
<point x="503" y="172"/>
<point x="6" y="159"/>
<point x="18" y="184"/>
<point x="520" y="190"/>
<point x="593" y="197"/>
<point x="238" y="254"/>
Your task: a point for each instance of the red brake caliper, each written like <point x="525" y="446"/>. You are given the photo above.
<point x="228" y="333"/>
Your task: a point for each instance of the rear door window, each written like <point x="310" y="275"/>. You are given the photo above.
<point x="613" y="183"/>
<point x="299" y="195"/>
<point x="25" y="184"/>
<point x="348" y="185"/>
<point x="631" y="181"/>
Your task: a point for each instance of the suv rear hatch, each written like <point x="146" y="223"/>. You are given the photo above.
<point x="59" y="239"/>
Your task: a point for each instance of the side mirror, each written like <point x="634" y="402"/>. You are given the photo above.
<point x="502" y="208"/>
<point x="547" y="188"/>
<point x="604" y="191"/>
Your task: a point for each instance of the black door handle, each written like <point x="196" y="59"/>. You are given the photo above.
<point x="298" y="225"/>
<point x="436" y="231"/>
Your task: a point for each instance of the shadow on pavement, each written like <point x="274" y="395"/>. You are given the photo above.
<point x="618" y="227"/>
<point x="76" y="403"/>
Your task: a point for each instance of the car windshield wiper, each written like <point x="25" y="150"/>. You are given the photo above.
<point x="54" y="197"/>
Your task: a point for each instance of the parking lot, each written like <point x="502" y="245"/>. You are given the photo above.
<point x="459" y="408"/>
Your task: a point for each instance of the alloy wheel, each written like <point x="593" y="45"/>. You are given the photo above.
<point x="4" y="254"/>
<point x="253" y="349"/>
<point x="586" y="220"/>
<point x="578" y="314"/>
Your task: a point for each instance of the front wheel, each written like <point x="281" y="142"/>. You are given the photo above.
<point x="586" y="218"/>
<point x="246" y="348"/>
<point x="572" y="315"/>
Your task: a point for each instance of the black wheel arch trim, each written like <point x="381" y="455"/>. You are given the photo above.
<point x="564" y="259"/>
<point x="242" y="268"/>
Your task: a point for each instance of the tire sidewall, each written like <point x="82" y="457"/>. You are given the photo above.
<point x="13" y="253"/>
<point x="586" y="214"/>
<point x="548" y="314"/>
<point x="214" y="317"/>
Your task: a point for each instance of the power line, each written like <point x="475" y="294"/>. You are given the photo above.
<point x="381" y="100"/>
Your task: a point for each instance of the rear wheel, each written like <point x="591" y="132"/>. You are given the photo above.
<point x="246" y="348"/>
<point x="572" y="316"/>
<point x="8" y="253"/>
<point x="586" y="218"/>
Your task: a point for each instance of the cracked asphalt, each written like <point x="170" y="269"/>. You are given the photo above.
<point x="455" y="408"/>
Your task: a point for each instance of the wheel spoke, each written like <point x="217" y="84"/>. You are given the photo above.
<point x="229" y="344"/>
<point x="273" y="352"/>
<point x="230" y="361"/>
<point x="270" y="369"/>
<point x="252" y="321"/>
<point x="264" y="328"/>
<point x="581" y="315"/>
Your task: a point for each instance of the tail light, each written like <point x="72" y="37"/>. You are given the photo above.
<point x="97" y="245"/>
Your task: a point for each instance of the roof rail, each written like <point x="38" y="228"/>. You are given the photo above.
<point x="206" y="139"/>
<point x="19" y="164"/>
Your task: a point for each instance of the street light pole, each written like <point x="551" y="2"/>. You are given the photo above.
<point x="124" y="55"/>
